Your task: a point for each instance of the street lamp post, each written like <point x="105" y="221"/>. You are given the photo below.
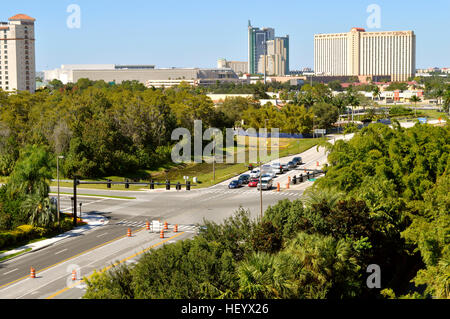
<point x="57" y="173"/>
<point x="260" y="189"/>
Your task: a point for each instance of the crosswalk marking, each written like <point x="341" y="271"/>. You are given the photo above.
<point x="181" y="228"/>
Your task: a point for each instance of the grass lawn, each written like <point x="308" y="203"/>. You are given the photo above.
<point x="204" y="171"/>
<point x="14" y="255"/>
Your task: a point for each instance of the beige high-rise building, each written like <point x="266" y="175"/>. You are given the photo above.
<point x="277" y="58"/>
<point x="366" y="54"/>
<point x="17" y="54"/>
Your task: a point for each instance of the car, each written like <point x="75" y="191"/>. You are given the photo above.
<point x="297" y="160"/>
<point x="244" y="178"/>
<point x="253" y="182"/>
<point x="284" y="167"/>
<point x="269" y="170"/>
<point x="235" y="184"/>
<point x="291" y="165"/>
<point x="277" y="167"/>
<point x="266" y="184"/>
<point x="255" y="173"/>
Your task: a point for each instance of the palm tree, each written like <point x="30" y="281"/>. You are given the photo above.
<point x="259" y="278"/>
<point x="41" y="211"/>
<point x="447" y="100"/>
<point x="327" y="196"/>
<point x="414" y="99"/>
<point x="376" y="92"/>
<point x="352" y="100"/>
<point x="322" y="266"/>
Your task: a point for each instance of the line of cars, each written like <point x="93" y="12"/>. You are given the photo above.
<point x="266" y="175"/>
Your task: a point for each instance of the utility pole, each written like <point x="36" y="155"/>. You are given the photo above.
<point x="57" y="173"/>
<point x="260" y="188"/>
<point x="75" y="183"/>
<point x="214" y="160"/>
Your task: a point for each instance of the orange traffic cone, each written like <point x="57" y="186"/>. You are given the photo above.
<point x="288" y="185"/>
<point x="166" y="226"/>
<point x="289" y="179"/>
<point x="147" y="225"/>
<point x="175" y="229"/>
<point x="74" y="275"/>
<point x="278" y="187"/>
<point x="161" y="235"/>
<point x="129" y="232"/>
<point x="32" y="273"/>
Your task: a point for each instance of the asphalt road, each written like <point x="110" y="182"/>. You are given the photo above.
<point x="106" y="244"/>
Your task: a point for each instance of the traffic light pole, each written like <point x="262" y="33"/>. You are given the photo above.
<point x="75" y="183"/>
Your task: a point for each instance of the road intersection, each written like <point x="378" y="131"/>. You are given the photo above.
<point x="107" y="244"/>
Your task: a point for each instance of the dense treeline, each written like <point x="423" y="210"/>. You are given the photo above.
<point x="383" y="201"/>
<point x="113" y="130"/>
<point x="100" y="129"/>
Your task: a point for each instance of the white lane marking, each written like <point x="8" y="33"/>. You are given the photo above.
<point x="59" y="252"/>
<point x="6" y="273"/>
<point x="102" y="235"/>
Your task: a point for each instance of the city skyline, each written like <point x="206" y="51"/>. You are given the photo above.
<point x="225" y="34"/>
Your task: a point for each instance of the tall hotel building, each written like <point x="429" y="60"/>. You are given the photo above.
<point x="257" y="39"/>
<point x="366" y="54"/>
<point x="17" y="54"/>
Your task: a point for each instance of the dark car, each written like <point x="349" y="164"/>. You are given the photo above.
<point x="292" y="165"/>
<point x="235" y="184"/>
<point x="298" y="160"/>
<point x="245" y="179"/>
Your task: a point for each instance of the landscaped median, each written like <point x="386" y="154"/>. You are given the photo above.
<point x="26" y="238"/>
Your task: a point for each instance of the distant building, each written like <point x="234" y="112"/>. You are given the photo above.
<point x="72" y="72"/>
<point x="266" y="53"/>
<point x="195" y="77"/>
<point x="257" y="39"/>
<point x="17" y="54"/>
<point x="366" y="54"/>
<point x="277" y="58"/>
<point x="238" y="67"/>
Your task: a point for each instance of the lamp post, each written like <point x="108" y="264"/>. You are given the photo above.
<point x="57" y="173"/>
<point x="260" y="189"/>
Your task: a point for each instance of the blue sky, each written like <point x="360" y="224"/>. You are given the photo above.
<point x="195" y="33"/>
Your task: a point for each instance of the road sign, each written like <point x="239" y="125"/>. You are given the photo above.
<point x="423" y="120"/>
<point x="323" y="132"/>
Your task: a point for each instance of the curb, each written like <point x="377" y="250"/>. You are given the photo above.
<point x="49" y="244"/>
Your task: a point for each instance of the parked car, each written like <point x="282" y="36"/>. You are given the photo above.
<point x="253" y="182"/>
<point x="235" y="184"/>
<point x="245" y="179"/>
<point x="266" y="184"/>
<point x="255" y="173"/>
<point x="291" y="165"/>
<point x="297" y="160"/>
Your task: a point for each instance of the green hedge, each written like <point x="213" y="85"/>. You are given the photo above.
<point x="25" y="233"/>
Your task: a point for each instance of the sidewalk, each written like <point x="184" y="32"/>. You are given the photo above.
<point x="92" y="221"/>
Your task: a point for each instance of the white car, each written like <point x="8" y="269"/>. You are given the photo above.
<point x="255" y="173"/>
<point x="277" y="168"/>
<point x="269" y="170"/>
<point x="266" y="184"/>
